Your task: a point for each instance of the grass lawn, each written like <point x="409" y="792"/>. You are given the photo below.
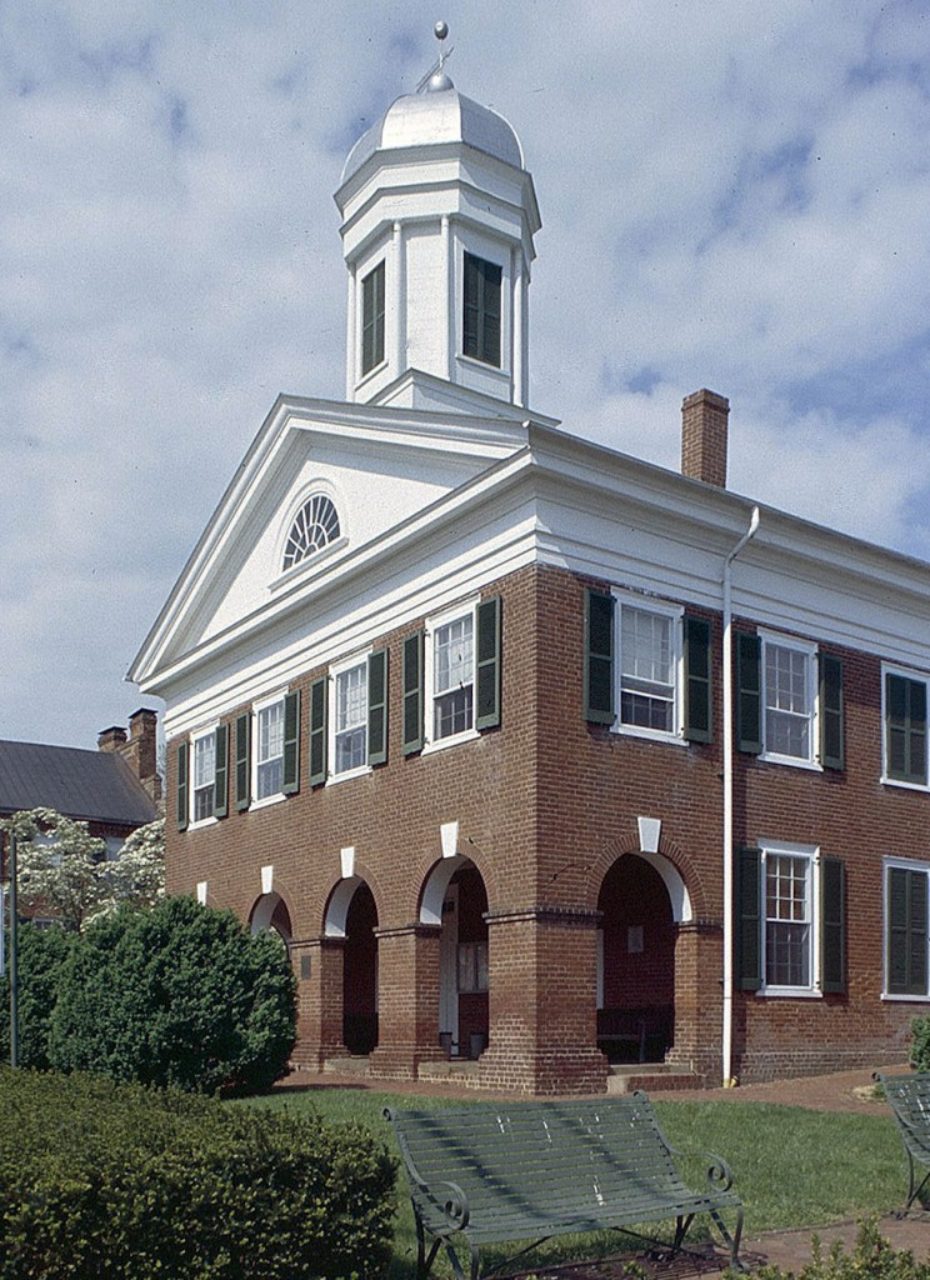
<point x="791" y="1167"/>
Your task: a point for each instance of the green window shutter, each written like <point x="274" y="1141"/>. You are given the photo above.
<point x="747" y="962"/>
<point x="833" y="925"/>
<point x="291" y="782"/>
<point x="243" y="762"/>
<point x="183" y="807"/>
<point x="318" y="709"/>
<point x="488" y="674"/>
<point x="221" y="776"/>
<point x="832" y="729"/>
<point x="377" y="707"/>
<point x="599" y="656"/>
<point x="906" y="729"/>
<point x="698" y="688"/>
<point x="413" y="693"/>
<point x="748" y="693"/>
<point x="907" y="932"/>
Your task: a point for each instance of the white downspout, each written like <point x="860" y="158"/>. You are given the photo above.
<point x="728" y="800"/>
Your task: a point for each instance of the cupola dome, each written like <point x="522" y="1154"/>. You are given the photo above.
<point x="438" y="219"/>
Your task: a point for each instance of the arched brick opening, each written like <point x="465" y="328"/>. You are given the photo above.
<point x="360" y="974"/>
<point x="636" y="961"/>
<point x="271" y="912"/>
<point x="455" y="897"/>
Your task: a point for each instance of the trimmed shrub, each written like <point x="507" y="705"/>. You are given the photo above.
<point x="920" y="1044"/>
<point x="180" y="995"/>
<point x="41" y="956"/>
<point x="872" y="1257"/>
<point x="101" y="1181"/>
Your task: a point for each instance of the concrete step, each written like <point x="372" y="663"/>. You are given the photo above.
<point x="347" y="1066"/>
<point x="651" y="1077"/>
<point x="448" y="1071"/>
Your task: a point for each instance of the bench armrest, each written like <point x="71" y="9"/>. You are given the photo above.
<point x="455" y="1206"/>
<point x="719" y="1174"/>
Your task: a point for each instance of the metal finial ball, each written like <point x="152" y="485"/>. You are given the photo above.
<point x="441" y="30"/>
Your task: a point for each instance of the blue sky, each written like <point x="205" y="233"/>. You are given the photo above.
<point x="734" y="195"/>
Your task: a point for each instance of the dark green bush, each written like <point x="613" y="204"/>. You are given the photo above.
<point x="873" y="1258"/>
<point x="920" y="1044"/>
<point x="180" y="995"/>
<point x="101" y="1181"/>
<point x="42" y="953"/>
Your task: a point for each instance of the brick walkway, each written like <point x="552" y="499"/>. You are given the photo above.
<point x="790" y="1250"/>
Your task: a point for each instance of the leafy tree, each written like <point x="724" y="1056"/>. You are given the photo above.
<point x="62" y="869"/>
<point x="41" y="956"/>
<point x="180" y="995"/>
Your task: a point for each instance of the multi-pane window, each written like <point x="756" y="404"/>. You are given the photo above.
<point x="906" y="929"/>
<point x="648" y="670"/>
<point x="453" y="676"/>
<point x="906" y="728"/>
<point x="787" y="919"/>
<point x="373" y="318"/>
<point x="204" y="776"/>
<point x="351" y="718"/>
<point x="472" y="967"/>
<point x="481" y="320"/>
<point x="789" y="698"/>
<point x="269" y="750"/>
<point x="315" y="526"/>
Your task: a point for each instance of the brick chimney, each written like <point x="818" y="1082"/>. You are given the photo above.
<point x="140" y="751"/>
<point x="704" y="417"/>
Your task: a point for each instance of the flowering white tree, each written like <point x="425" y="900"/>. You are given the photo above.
<point x="62" y="869"/>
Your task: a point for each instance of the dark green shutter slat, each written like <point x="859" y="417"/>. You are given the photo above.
<point x="243" y="764"/>
<point x="413" y="693"/>
<point x="599" y="651"/>
<point x="489" y="664"/>
<point x="221" y="776"/>
<point x="747" y="965"/>
<point x="377" y="707"/>
<point x="832" y="729"/>
<point x="318" y="710"/>
<point x="291" y="782"/>
<point x="917" y="923"/>
<point x="748" y="693"/>
<point x="183" y="808"/>
<point x="698" y="688"/>
<point x="833" y="926"/>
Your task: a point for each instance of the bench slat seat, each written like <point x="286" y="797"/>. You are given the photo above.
<point x="909" y="1099"/>
<point x="497" y="1172"/>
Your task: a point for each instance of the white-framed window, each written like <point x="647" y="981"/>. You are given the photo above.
<point x="649" y="667"/>
<point x="268" y="754"/>
<point x="789" y="700"/>
<point x="472" y="967"/>
<point x="790" y="884"/>
<point x="906" y="893"/>
<point x="348" y="717"/>
<point x="315" y="527"/>
<point x="203" y="792"/>
<point x="450" y="676"/>
<point x="905" y="698"/>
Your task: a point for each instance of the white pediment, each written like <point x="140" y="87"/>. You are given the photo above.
<point x="378" y="466"/>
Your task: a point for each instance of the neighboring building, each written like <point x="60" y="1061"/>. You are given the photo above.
<point x="451" y="700"/>
<point x="114" y="789"/>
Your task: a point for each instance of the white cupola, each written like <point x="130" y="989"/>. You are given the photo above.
<point x="438" y="218"/>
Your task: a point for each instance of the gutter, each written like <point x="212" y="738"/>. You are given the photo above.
<point x="727" y="1045"/>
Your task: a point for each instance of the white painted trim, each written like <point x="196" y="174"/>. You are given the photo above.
<point x="650" y="831"/>
<point x="811" y="853"/>
<point x="674" y="614"/>
<point x="202" y="893"/>
<point x="919" y="677"/>
<point x="347" y="861"/>
<point x="461" y="610"/>
<point x="337" y="910"/>
<point x="267" y="874"/>
<point x="809" y="649"/>
<point x="261" y="802"/>
<point x="449" y="839"/>
<point x="337" y="669"/>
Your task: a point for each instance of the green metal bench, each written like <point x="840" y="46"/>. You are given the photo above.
<point x="493" y="1173"/>
<point x="909" y="1098"/>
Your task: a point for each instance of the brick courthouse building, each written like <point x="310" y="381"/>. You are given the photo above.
<point x="538" y="755"/>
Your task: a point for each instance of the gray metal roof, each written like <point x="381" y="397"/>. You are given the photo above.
<point x="95" y="786"/>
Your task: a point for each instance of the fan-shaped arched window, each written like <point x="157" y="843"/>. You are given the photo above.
<point x="315" y="527"/>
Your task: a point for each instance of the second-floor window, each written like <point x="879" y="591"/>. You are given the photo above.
<point x="789" y="685"/>
<point x="204" y="776"/>
<point x="453" y="676"/>
<point x="269" y="750"/>
<point x="481" y="316"/>
<point x="905" y="746"/>
<point x="350" y="718"/>
<point x="373" y="318"/>
<point x="649" y="669"/>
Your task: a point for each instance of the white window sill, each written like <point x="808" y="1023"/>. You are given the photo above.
<point x="371" y="373"/>
<point x="267" y="800"/>
<point x="485" y="365"/>
<point x="793" y="762"/>
<point x="470" y="735"/>
<point x="904" y="999"/>
<point x="348" y="775"/>
<point x="650" y="735"/>
<point x="792" y="993"/>
<point x="906" y="786"/>
<point x="203" y="822"/>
